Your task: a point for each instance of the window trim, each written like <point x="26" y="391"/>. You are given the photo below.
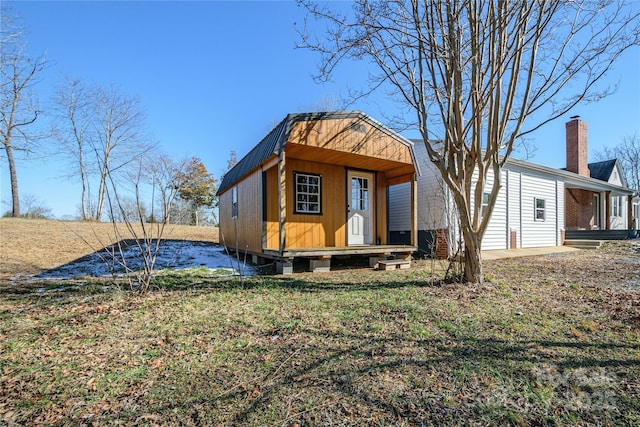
<point x="486" y="196"/>
<point x="537" y="209"/>
<point x="295" y="193"/>
<point x="616" y="206"/>
<point x="234" y="202"/>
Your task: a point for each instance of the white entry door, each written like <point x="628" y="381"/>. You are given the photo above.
<point x="360" y="207"/>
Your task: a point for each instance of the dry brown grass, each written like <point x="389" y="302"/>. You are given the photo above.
<point x="30" y="246"/>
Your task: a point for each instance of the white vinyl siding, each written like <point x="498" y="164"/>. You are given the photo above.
<point x="539" y="206"/>
<point x="514" y="210"/>
<point x="618" y="212"/>
<point x="513" y="205"/>
<point x="616" y="175"/>
<point x="496" y="235"/>
<point x="537" y="232"/>
<point x="434" y="204"/>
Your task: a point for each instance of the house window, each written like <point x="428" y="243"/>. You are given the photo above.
<point x="616" y="206"/>
<point x="234" y="202"/>
<point x="540" y="214"/>
<point x="485" y="202"/>
<point x="308" y="196"/>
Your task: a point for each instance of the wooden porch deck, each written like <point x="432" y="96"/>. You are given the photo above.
<point x="385" y="250"/>
<point x="320" y="258"/>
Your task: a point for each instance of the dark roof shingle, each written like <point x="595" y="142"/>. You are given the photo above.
<point x="602" y="170"/>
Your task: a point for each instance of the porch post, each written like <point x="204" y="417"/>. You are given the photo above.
<point x="282" y="203"/>
<point x="607" y="210"/>
<point x="630" y="212"/>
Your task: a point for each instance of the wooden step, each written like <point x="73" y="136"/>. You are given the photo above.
<point x="393" y="264"/>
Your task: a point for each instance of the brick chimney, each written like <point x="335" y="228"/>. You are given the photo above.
<point x="577" y="147"/>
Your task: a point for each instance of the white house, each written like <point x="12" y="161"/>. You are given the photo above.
<point x="536" y="204"/>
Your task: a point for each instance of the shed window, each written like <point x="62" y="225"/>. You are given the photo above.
<point x="234" y="202"/>
<point x="308" y="193"/>
<point x="540" y="214"/>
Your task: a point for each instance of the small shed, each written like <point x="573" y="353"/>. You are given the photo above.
<point x="316" y="187"/>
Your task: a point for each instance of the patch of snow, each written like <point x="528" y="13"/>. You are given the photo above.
<point x="172" y="254"/>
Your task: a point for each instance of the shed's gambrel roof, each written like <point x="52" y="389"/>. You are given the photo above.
<point x="275" y="142"/>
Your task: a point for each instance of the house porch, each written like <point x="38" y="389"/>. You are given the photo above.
<point x="589" y="210"/>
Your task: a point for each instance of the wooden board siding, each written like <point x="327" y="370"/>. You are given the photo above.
<point x="350" y="142"/>
<point x="271" y="199"/>
<point x="311" y="230"/>
<point x="245" y="232"/>
<point x="330" y="147"/>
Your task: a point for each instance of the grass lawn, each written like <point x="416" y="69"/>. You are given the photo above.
<point x="549" y="340"/>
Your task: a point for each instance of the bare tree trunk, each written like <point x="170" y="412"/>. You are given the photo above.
<point x="17" y="110"/>
<point x="473" y="272"/>
<point x="102" y="190"/>
<point x="83" y="177"/>
<point x="15" y="198"/>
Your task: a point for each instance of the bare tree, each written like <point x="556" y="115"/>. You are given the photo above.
<point x="628" y="154"/>
<point x="146" y="238"/>
<point x="71" y="129"/>
<point x="471" y="72"/>
<point x="34" y="207"/>
<point x="102" y="130"/>
<point x="118" y="141"/>
<point x="161" y="171"/>
<point x="18" y="107"/>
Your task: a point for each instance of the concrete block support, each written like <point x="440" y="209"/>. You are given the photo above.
<point x="322" y="265"/>
<point x="284" y="267"/>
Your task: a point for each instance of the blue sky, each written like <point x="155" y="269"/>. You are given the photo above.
<point x="217" y="76"/>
